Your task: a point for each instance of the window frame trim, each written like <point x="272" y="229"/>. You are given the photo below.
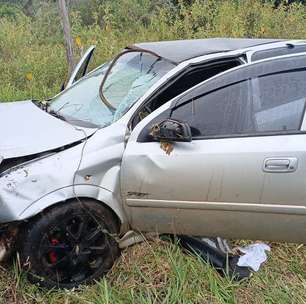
<point x="181" y="73"/>
<point x="263" y="134"/>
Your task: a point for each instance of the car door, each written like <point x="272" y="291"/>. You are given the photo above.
<point x="81" y="68"/>
<point x="243" y="175"/>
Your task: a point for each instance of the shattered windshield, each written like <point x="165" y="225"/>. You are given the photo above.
<point x="129" y="77"/>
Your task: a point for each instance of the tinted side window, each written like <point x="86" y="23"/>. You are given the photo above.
<point x="217" y="113"/>
<point x="279" y="101"/>
<point x="274" y="103"/>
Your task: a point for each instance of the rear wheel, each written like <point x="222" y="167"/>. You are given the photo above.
<point x="70" y="244"/>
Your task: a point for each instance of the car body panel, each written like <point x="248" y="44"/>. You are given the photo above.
<point x="162" y="189"/>
<point x="89" y="169"/>
<point x="255" y="226"/>
<point x="26" y="129"/>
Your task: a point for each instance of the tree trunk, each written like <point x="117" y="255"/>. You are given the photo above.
<point x="28" y="8"/>
<point x="67" y="36"/>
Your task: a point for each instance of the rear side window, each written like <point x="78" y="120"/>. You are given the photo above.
<point x="272" y="103"/>
<point x="279" y="101"/>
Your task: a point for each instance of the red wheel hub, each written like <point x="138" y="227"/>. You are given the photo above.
<point x="53" y="254"/>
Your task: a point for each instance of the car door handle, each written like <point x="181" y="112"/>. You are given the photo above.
<point x="280" y="164"/>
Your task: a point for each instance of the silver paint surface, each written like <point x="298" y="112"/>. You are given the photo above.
<point x="26" y="129"/>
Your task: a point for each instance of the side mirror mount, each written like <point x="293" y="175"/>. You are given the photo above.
<point x="172" y="131"/>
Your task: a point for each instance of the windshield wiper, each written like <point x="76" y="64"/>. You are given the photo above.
<point x="41" y="104"/>
<point x="56" y="114"/>
<point x="46" y="107"/>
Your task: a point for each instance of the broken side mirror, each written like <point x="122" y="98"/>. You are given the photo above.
<point x="171" y="130"/>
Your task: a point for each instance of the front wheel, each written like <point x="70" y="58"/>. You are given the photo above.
<point x="70" y="244"/>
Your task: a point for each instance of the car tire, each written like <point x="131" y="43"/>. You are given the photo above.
<point x="70" y="244"/>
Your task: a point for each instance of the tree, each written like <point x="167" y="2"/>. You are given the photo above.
<point x="67" y="36"/>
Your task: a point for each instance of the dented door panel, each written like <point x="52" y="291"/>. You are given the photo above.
<point x="214" y="188"/>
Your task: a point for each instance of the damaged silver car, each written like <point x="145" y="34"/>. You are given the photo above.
<point x="195" y="137"/>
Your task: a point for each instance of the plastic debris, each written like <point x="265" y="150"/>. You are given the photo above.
<point x="217" y="253"/>
<point x="253" y="255"/>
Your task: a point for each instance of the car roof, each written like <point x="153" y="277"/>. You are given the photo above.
<point x="180" y="50"/>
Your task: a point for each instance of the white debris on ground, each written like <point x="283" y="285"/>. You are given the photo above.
<point x="253" y="255"/>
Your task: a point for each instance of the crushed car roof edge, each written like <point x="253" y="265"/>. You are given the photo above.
<point x="180" y="50"/>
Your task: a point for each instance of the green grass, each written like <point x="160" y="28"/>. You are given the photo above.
<point x="159" y="272"/>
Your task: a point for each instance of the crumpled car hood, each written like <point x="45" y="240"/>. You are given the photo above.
<point x="25" y="129"/>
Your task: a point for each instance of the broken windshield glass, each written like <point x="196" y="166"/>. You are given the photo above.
<point x="129" y="77"/>
<point x="82" y="103"/>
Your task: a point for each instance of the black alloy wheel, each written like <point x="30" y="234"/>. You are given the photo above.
<point x="72" y="244"/>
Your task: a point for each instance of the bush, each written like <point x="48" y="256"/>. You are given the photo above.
<point x="32" y="55"/>
<point x="9" y="11"/>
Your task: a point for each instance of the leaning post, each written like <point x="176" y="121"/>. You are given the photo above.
<point x="67" y="36"/>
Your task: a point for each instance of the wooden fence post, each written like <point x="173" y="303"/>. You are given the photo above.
<point x="67" y="36"/>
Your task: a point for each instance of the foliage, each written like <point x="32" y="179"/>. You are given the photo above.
<point x="9" y="11"/>
<point x="35" y="44"/>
